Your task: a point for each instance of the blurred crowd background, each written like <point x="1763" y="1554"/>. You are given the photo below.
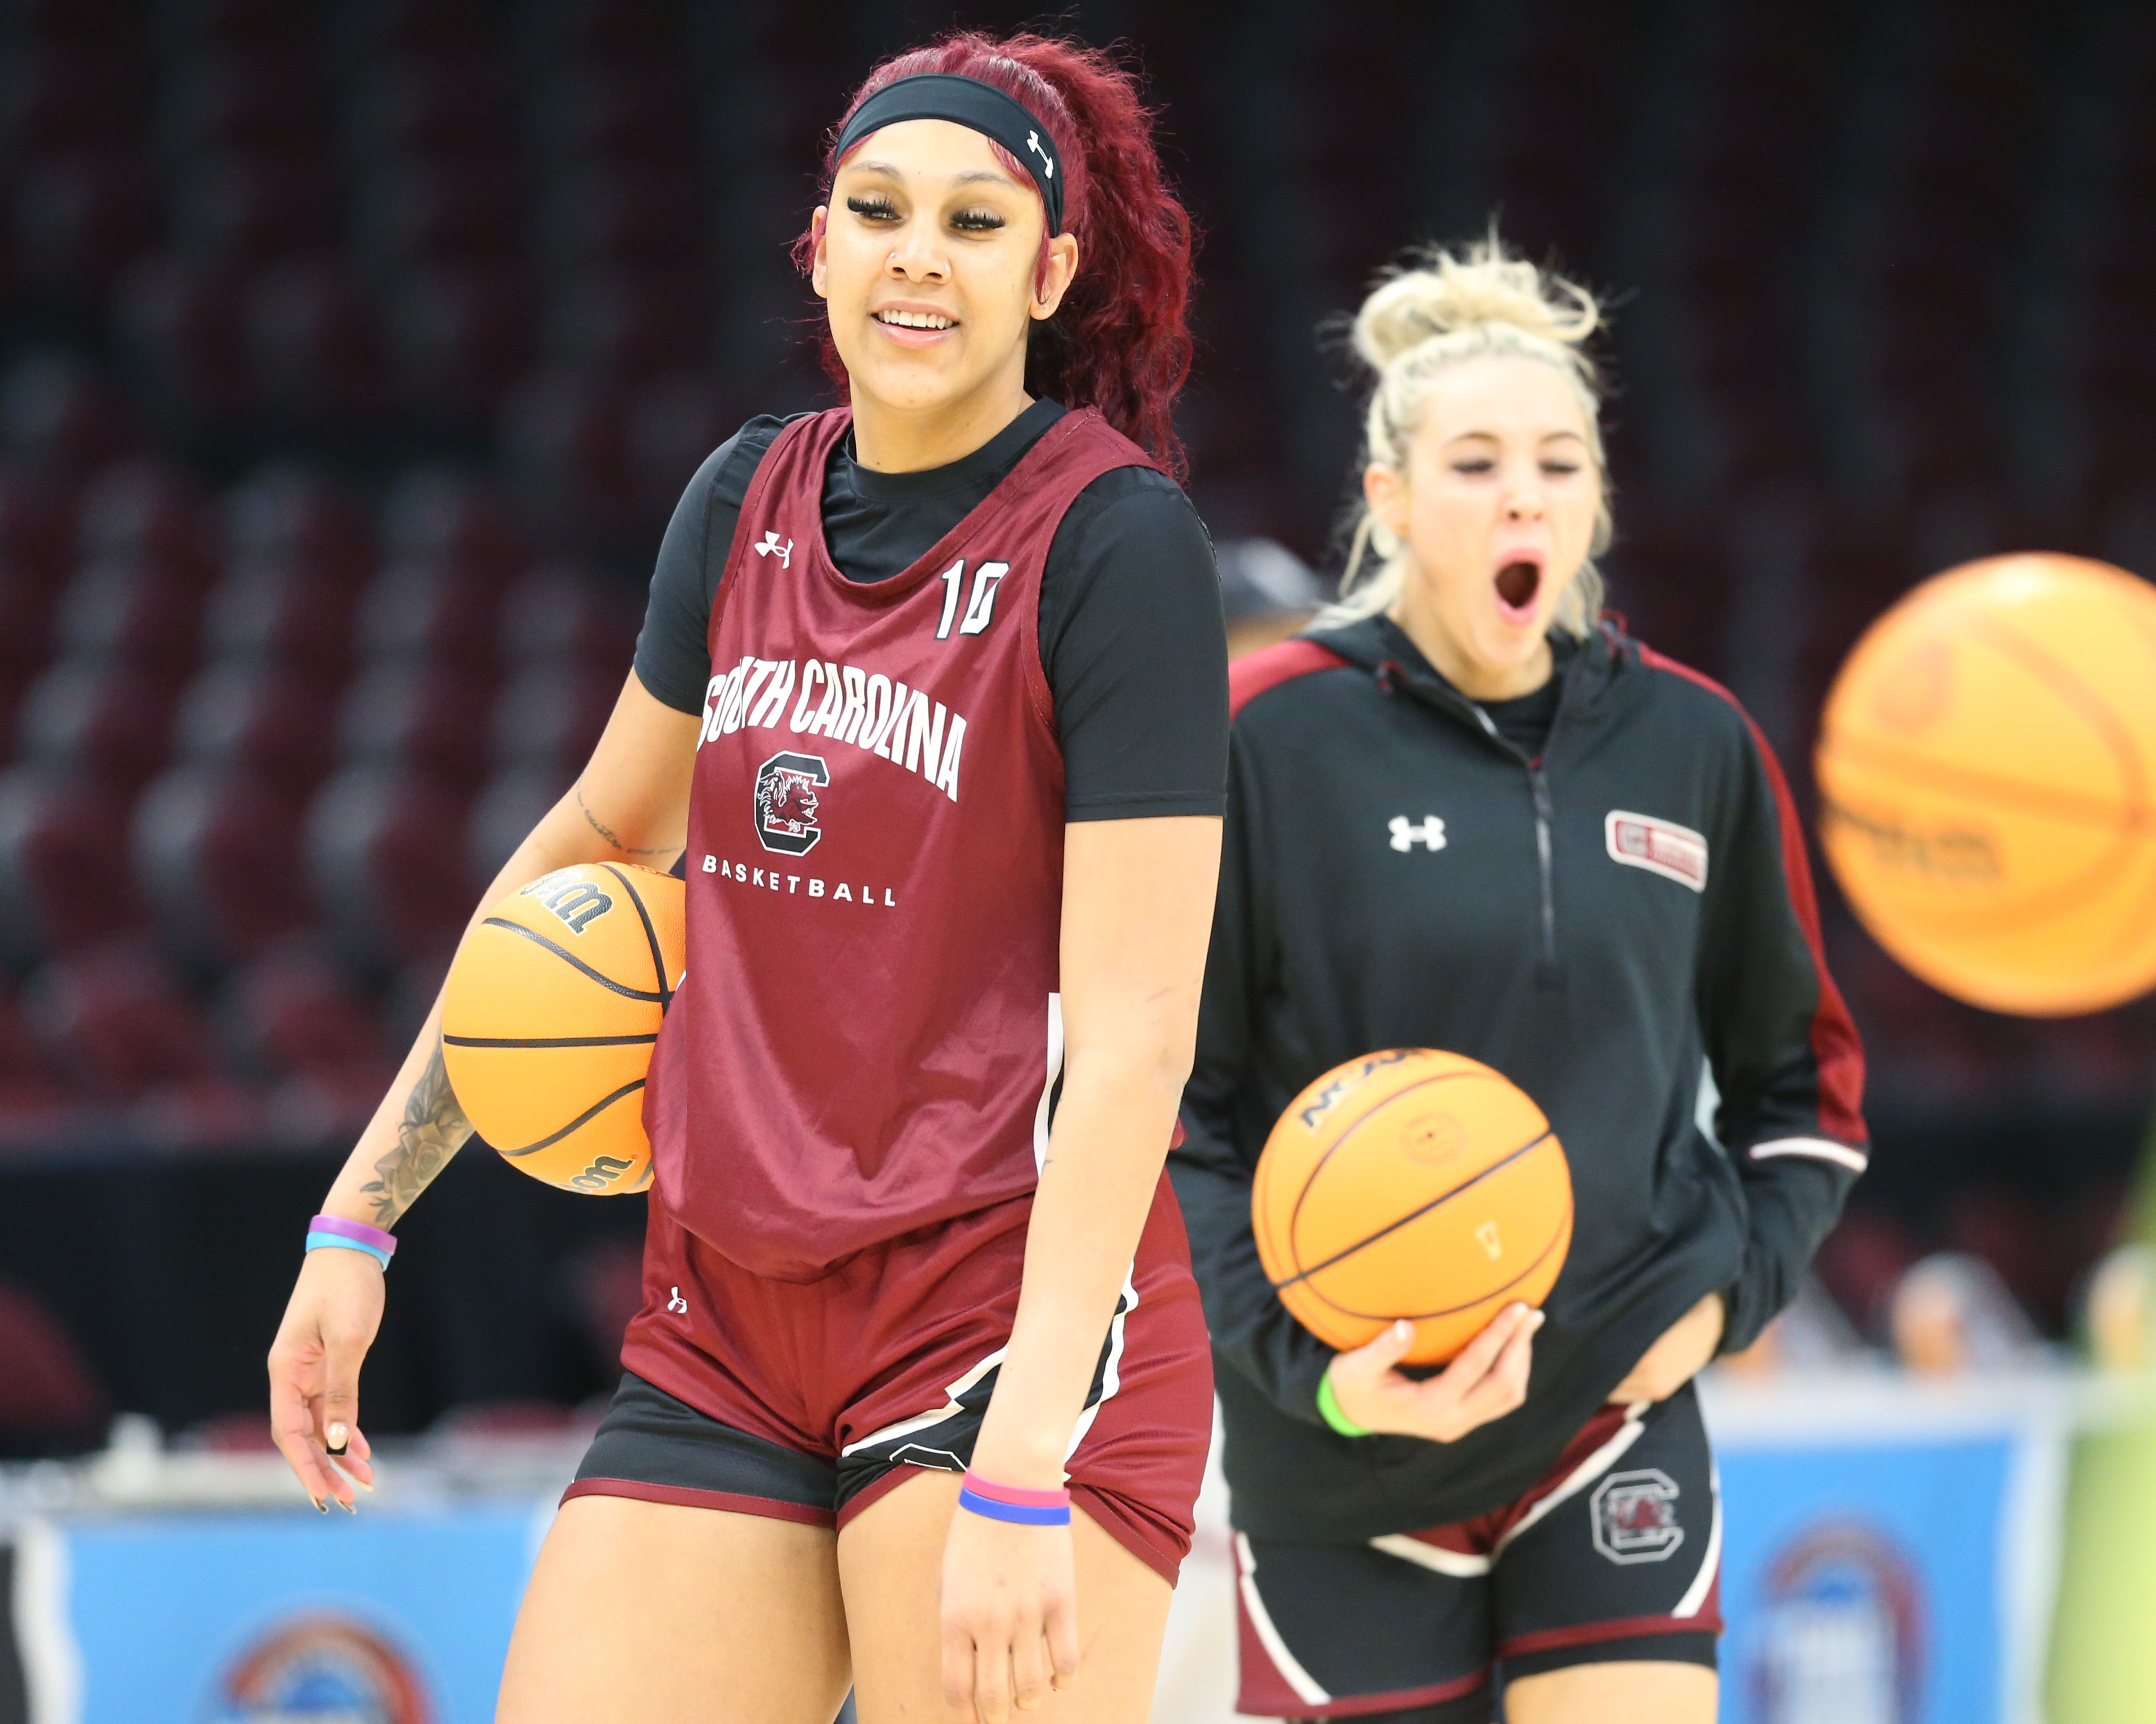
<point x="353" y="352"/>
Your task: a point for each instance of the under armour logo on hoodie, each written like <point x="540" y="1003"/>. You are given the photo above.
<point x="1406" y="834"/>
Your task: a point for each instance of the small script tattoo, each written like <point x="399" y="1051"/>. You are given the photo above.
<point x="433" y="1129"/>
<point x="606" y="831"/>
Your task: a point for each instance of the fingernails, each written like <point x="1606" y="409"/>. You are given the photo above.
<point x="345" y="1506"/>
<point x="320" y="1507"/>
<point x="338" y="1438"/>
<point x="1403" y="1330"/>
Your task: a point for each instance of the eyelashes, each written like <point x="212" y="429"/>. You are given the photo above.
<point x="874" y="206"/>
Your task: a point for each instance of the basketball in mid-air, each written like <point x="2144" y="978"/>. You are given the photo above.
<point x="1412" y="1184"/>
<point x="549" y="1016"/>
<point x="1987" y="777"/>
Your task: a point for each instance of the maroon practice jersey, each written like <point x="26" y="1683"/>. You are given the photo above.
<point x="869" y="1031"/>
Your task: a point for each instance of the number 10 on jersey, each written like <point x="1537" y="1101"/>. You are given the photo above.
<point x="980" y="603"/>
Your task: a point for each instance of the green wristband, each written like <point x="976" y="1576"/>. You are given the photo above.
<point x="1328" y="1408"/>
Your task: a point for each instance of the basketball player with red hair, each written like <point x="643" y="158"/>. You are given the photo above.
<point x="930" y="704"/>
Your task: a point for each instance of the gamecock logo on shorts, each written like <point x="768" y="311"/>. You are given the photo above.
<point x="786" y="802"/>
<point x="1635" y="1517"/>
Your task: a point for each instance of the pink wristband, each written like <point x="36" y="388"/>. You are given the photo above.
<point x="358" y="1230"/>
<point x="1016" y="1496"/>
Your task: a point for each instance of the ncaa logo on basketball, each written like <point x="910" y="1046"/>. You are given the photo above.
<point x="786" y="802"/>
<point x="1635" y="1517"/>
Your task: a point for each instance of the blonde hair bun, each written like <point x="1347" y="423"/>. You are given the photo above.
<point x="1439" y="308"/>
<point x="1440" y="293"/>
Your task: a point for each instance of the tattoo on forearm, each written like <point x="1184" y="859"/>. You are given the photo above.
<point x="606" y="832"/>
<point x="433" y="1129"/>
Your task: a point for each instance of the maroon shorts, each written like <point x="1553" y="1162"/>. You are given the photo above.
<point x="806" y="1401"/>
<point x="1615" y="1555"/>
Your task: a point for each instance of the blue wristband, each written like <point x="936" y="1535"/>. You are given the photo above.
<point x="1018" y="1513"/>
<point x="338" y="1242"/>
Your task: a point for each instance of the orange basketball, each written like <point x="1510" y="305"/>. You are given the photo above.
<point x="1987" y="775"/>
<point x="1411" y="1184"/>
<point x="548" y="1019"/>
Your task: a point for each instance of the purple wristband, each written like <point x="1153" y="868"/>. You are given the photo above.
<point x="360" y="1231"/>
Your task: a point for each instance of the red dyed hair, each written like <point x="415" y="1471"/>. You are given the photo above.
<point x="1120" y="341"/>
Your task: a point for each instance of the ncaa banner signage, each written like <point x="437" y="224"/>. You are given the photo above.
<point x="394" y="1617"/>
<point x="1891" y="1561"/>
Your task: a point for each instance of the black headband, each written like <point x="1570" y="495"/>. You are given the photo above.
<point x="980" y="107"/>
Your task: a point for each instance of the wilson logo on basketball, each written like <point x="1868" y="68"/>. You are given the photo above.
<point x="787" y="804"/>
<point x="579" y="903"/>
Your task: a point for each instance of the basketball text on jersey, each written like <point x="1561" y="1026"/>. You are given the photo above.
<point x="814" y="697"/>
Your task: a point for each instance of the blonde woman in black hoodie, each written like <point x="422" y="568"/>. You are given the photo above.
<point x="1467" y="812"/>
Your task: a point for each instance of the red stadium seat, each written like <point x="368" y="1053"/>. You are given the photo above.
<point x="60" y="418"/>
<point x="553" y="712"/>
<point x="217" y="855"/>
<point x="117" y="1019"/>
<point x="179" y="322"/>
<point x="623" y="324"/>
<point x="283" y="610"/>
<point x="146" y="508"/>
<point x="674" y="423"/>
<point x="316" y="355"/>
<point x="429" y="104"/>
<point x="297" y="1020"/>
<point x="459" y="208"/>
<point x="252" y="208"/>
<point x="639" y="214"/>
<point x="384" y="850"/>
<point x="505" y="812"/>
<point x="52" y="1396"/>
<point x="62" y="865"/>
<point x="134" y="610"/>
<point x="78" y="214"/>
<point x="240" y="99"/>
<point x="101" y="719"/>
<point x="407" y="712"/>
<point x="287" y="514"/>
<point x="58" y="98"/>
<point x="441" y="516"/>
<point x="564" y="433"/>
<point x="427" y="607"/>
<point x="458" y="334"/>
<point x="560" y="612"/>
<point x="37" y="528"/>
<point x="266" y="720"/>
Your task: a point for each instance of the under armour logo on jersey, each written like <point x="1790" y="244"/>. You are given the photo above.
<point x="1406" y="834"/>
<point x="677" y="1304"/>
<point x="771" y="547"/>
<point x="1033" y="143"/>
<point x="980" y="603"/>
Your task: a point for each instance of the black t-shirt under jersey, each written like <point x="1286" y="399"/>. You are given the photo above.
<point x="1131" y="633"/>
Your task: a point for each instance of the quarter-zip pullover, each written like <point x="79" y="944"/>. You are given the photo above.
<point x="1609" y="921"/>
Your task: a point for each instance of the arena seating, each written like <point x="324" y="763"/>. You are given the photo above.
<point x="354" y="352"/>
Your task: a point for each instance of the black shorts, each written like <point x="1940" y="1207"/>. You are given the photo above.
<point x="1615" y="1555"/>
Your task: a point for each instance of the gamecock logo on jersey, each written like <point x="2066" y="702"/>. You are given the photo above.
<point x="786" y="802"/>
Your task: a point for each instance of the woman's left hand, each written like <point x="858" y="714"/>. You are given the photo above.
<point x="1010" y="1617"/>
<point x="1681" y="1355"/>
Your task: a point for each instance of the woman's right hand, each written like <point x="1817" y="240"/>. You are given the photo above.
<point x="314" y="1372"/>
<point x="1486" y="1379"/>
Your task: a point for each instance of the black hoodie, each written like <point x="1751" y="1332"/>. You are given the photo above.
<point x="1603" y="923"/>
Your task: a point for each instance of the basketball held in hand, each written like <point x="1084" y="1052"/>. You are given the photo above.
<point x="549" y="1016"/>
<point x="1987" y="776"/>
<point x="1416" y="1184"/>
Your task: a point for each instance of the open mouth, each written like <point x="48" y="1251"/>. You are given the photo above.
<point x="1518" y="583"/>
